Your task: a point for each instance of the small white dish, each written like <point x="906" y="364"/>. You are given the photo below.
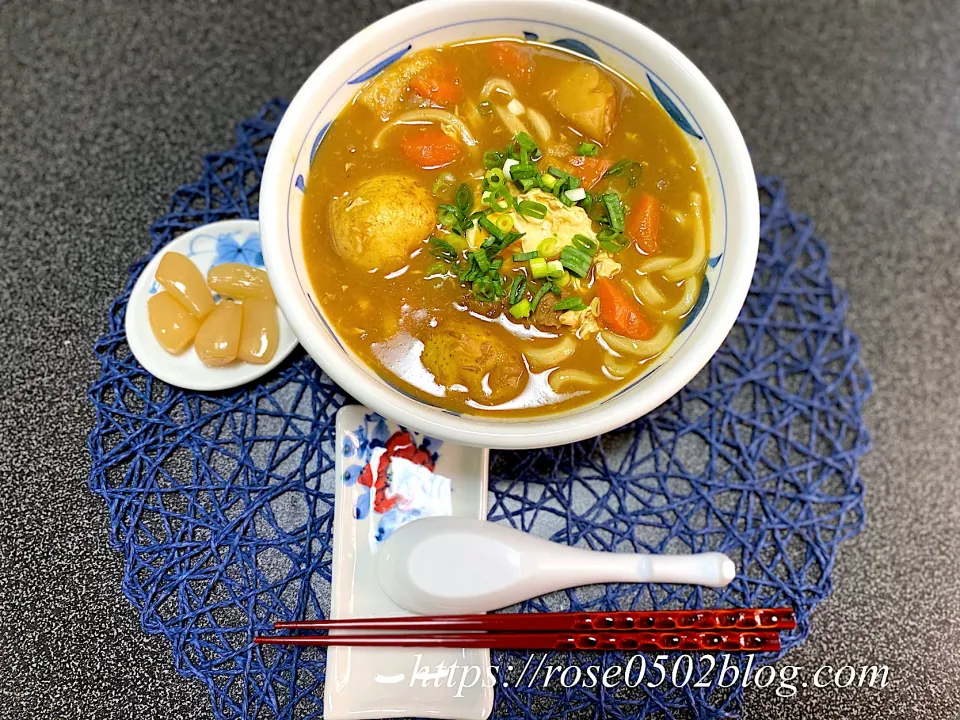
<point x="208" y="245"/>
<point x="421" y="477"/>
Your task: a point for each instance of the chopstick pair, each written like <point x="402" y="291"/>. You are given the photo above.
<point x="738" y="630"/>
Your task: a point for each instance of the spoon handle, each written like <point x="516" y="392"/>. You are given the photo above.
<point x="574" y="566"/>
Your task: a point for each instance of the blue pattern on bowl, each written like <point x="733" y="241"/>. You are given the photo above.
<point x="386" y="62"/>
<point x="698" y="305"/>
<point x="577" y="46"/>
<point x="317" y="141"/>
<point x="672" y="110"/>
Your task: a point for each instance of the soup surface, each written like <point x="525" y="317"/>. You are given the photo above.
<point x="505" y="227"/>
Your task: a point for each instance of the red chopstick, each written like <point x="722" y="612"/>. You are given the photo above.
<point x="644" y="620"/>
<point x="689" y="640"/>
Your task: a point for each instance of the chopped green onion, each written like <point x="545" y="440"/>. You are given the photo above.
<point x="500" y="199"/>
<point x="538" y="268"/>
<point x="563" y="280"/>
<point x="557" y="173"/>
<point x="526" y="143"/>
<point x="544" y="289"/>
<point x="488" y="225"/>
<point x="533" y="209"/>
<point x="494" y="177"/>
<point x="485" y="107"/>
<point x="575" y="195"/>
<point x="527" y="183"/>
<point x="566" y="201"/>
<point x="587" y="149"/>
<point x="485" y="290"/>
<point x="438" y="268"/>
<point x="505" y="223"/>
<point x="575" y="260"/>
<point x="524" y="256"/>
<point x="443" y="184"/>
<point x="464" y="198"/>
<point x="496" y="265"/>
<point x="492" y="159"/>
<point x="481" y="259"/>
<point x="571" y="303"/>
<point x="588" y="245"/>
<point x="549" y="247"/>
<point x="521" y="309"/>
<point x="554" y="269"/>
<point x="614" y="210"/>
<point x="523" y="171"/>
<point x="443" y="250"/>
<point x="612" y="241"/>
<point x="573" y="182"/>
<point x="633" y="169"/>
<point x="448" y="216"/>
<point x="517" y="287"/>
<point x="548" y="182"/>
<point x="587" y="202"/>
<point x="508" y="239"/>
<point x="508" y="166"/>
<point x="618" y="168"/>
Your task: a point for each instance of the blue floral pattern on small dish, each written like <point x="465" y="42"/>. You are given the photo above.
<point x="396" y="473"/>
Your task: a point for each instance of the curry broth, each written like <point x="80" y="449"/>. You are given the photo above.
<point x="382" y="314"/>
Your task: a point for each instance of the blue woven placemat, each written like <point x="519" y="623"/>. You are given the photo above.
<point x="222" y="504"/>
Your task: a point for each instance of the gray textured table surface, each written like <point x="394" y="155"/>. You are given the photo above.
<point x="105" y="107"/>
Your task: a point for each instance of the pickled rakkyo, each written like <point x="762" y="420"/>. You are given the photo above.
<point x="238" y="281"/>
<point x="260" y="332"/>
<point x="181" y="278"/>
<point x="219" y="337"/>
<point x="173" y="327"/>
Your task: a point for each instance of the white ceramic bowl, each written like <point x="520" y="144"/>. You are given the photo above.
<point x="623" y="44"/>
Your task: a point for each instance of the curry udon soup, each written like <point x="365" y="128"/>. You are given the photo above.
<point x="505" y="227"/>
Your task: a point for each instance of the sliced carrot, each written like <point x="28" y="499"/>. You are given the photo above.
<point x="438" y="84"/>
<point x="429" y="148"/>
<point x="643" y="223"/>
<point x="589" y="169"/>
<point x="511" y="58"/>
<point x="621" y="314"/>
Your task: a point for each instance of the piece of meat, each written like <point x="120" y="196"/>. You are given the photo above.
<point x="545" y="316"/>
<point x="462" y="353"/>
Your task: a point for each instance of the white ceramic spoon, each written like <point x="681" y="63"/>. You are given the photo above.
<point x="446" y="565"/>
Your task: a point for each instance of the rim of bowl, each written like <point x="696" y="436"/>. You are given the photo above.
<point x="592" y="419"/>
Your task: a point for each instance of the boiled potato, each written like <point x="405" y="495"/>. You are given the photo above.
<point x="466" y="355"/>
<point x="588" y="100"/>
<point x="381" y="221"/>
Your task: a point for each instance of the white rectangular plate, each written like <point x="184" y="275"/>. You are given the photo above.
<point x="377" y="490"/>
